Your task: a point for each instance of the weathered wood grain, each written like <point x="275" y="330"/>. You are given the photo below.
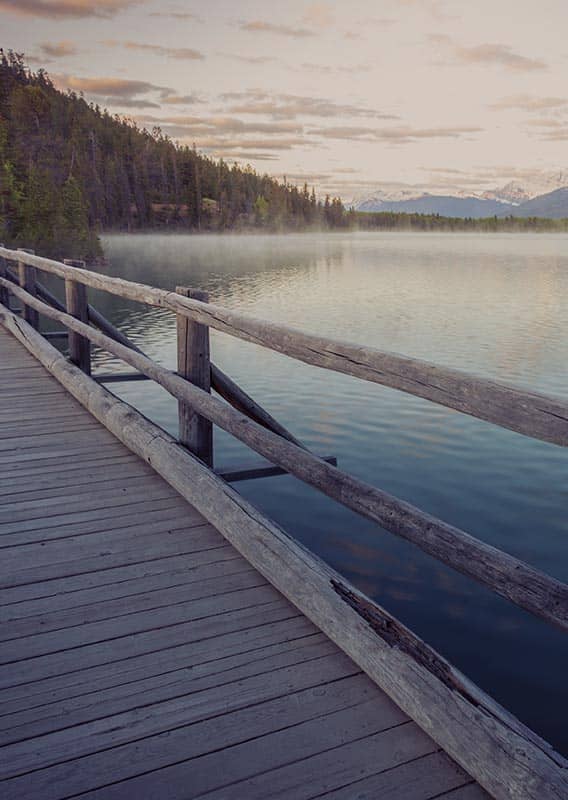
<point x="56" y="667"/>
<point x="168" y="685"/>
<point x="27" y="280"/>
<point x="238" y="636"/>
<point x="77" y="306"/>
<point x="130" y="726"/>
<point x="338" y="703"/>
<point x="194" y="365"/>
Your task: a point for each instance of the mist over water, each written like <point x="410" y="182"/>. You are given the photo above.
<point x="493" y="305"/>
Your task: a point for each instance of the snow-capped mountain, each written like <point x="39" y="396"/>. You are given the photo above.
<point x="457" y="202"/>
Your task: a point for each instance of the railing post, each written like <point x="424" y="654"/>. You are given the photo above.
<point x="77" y="306"/>
<point x="4" y="296"/>
<point x="27" y="280"/>
<point x="195" y="432"/>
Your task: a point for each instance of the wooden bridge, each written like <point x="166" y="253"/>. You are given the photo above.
<point x="162" y="638"/>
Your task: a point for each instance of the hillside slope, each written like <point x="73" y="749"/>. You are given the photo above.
<point x="553" y="205"/>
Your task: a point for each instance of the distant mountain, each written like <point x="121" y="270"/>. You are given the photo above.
<point x="510" y="199"/>
<point x="512" y="193"/>
<point x="553" y="205"/>
<point x="445" y="205"/>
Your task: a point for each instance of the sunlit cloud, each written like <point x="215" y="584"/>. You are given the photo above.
<point x="546" y="123"/>
<point x="243" y="157"/>
<point x="227" y="125"/>
<point x="398" y="135"/>
<point x="526" y="102"/>
<point x="123" y="102"/>
<point x="181" y="53"/>
<point x="117" y="92"/>
<point x="58" y="49"/>
<point x="250" y="59"/>
<point x="488" y="55"/>
<point x="181" y="99"/>
<point x="290" y="106"/>
<point x="498" y="54"/>
<point x="61" y="9"/>
<point x="211" y="143"/>
<point x="559" y="135"/>
<point x="257" y="26"/>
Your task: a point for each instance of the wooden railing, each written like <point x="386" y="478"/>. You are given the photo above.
<point x="529" y="413"/>
<point x="509" y="760"/>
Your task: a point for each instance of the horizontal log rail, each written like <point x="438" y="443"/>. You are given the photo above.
<point x="495" y="748"/>
<point x="506" y="575"/>
<point x="220" y="382"/>
<point x="536" y="415"/>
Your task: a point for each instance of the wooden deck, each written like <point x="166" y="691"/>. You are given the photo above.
<point x="143" y="657"/>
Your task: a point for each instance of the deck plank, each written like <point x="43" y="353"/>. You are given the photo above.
<point x="143" y="657"/>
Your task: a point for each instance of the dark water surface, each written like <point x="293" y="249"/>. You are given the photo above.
<point x="494" y="305"/>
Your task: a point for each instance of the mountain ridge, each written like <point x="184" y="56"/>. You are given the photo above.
<point x="512" y="199"/>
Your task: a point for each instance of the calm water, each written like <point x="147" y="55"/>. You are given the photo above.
<point x="492" y="305"/>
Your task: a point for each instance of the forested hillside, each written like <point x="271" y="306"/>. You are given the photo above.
<point x="70" y="170"/>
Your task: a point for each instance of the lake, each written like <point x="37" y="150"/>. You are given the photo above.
<point x="493" y="305"/>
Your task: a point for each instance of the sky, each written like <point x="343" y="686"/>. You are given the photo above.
<point x="348" y="96"/>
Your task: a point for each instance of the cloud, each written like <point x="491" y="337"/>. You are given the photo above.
<point x="181" y="99"/>
<point x="116" y="91"/>
<point x="222" y="133"/>
<point x="65" y="9"/>
<point x="124" y="102"/>
<point x="176" y="15"/>
<point x="559" y="135"/>
<point x="444" y="170"/>
<point x="526" y="102"/>
<point x="220" y="153"/>
<point x="58" y="49"/>
<point x="488" y="55"/>
<point x="398" y="135"/>
<point x="290" y="106"/>
<point x="305" y="177"/>
<point x="257" y="26"/>
<point x="249" y="59"/>
<point x="115" y="87"/>
<point x="224" y="125"/>
<point x="324" y="69"/>
<point x="498" y="54"/>
<point x="546" y="123"/>
<point x="182" y="53"/>
<point x="212" y="143"/>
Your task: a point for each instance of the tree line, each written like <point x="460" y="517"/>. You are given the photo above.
<point x="398" y="221"/>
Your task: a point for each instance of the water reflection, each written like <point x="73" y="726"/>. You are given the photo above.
<point x="493" y="305"/>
